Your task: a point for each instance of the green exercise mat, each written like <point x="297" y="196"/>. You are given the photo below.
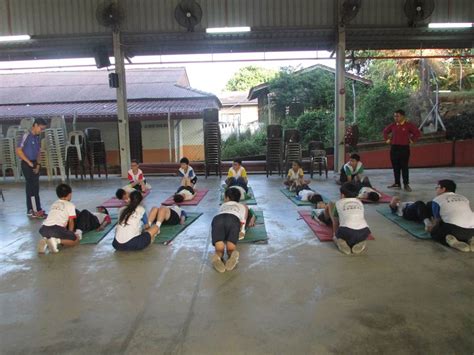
<point x="257" y="234"/>
<point x="94" y="237"/>
<point x="250" y="201"/>
<point x="168" y="233"/>
<point x="415" y="229"/>
<point x="292" y="196"/>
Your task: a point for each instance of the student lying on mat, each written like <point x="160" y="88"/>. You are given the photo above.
<point x="186" y="172"/>
<point x="352" y="172"/>
<point x="295" y="177"/>
<point x="452" y="221"/>
<point x="170" y="216"/>
<point x="184" y="193"/>
<point x="348" y="221"/>
<point x="368" y="193"/>
<point x="304" y="193"/>
<point x="136" y="179"/>
<point x="123" y="195"/>
<point x="133" y="231"/>
<point x="58" y="227"/>
<point x="227" y="228"/>
<point x="87" y="221"/>
<point x="237" y="175"/>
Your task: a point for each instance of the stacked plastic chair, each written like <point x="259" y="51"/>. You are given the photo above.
<point x="292" y="147"/>
<point x="274" y="149"/>
<point x="55" y="149"/>
<point x="17" y="133"/>
<point x="318" y="157"/>
<point x="43" y="159"/>
<point x="95" y="150"/>
<point x="76" y="153"/>
<point x="9" y="158"/>
<point x="212" y="148"/>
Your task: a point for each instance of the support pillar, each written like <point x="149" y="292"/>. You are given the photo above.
<point x="340" y="99"/>
<point x="170" y="147"/>
<point x="122" y="112"/>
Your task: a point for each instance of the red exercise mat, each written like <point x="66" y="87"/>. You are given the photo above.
<point x="322" y="231"/>
<point x="195" y="201"/>
<point x="384" y="198"/>
<point x="114" y="202"/>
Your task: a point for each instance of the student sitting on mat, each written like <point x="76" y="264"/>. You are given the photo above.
<point x="237" y="175"/>
<point x="349" y="224"/>
<point x="186" y="172"/>
<point x="227" y="227"/>
<point x="368" y="193"/>
<point x="87" y="221"/>
<point x="295" y="177"/>
<point x="169" y="216"/>
<point x="58" y="227"/>
<point x="136" y="179"/>
<point x="132" y="231"/>
<point x="122" y="195"/>
<point x="352" y="172"/>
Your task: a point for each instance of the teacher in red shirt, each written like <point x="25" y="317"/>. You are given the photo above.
<point x="400" y="134"/>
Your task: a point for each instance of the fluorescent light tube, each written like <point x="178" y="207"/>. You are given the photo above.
<point x="450" y="25"/>
<point x="14" y="38"/>
<point x="228" y="29"/>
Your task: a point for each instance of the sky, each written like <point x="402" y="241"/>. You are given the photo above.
<point x="210" y="76"/>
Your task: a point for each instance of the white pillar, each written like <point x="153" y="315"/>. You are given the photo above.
<point x="170" y="148"/>
<point x="122" y="112"/>
<point x="340" y="99"/>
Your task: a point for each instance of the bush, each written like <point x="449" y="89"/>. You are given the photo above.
<point x="248" y="145"/>
<point x="460" y="127"/>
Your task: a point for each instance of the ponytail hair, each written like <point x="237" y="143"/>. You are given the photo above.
<point x="135" y="200"/>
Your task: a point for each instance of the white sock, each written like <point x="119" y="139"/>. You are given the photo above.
<point x="58" y="240"/>
<point x="79" y="233"/>
<point x="427" y="222"/>
<point x="158" y="224"/>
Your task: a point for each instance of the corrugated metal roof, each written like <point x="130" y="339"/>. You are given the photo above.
<point x="55" y="87"/>
<point x="231" y="98"/>
<point x="108" y="110"/>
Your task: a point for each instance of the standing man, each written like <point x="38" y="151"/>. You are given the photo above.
<point x="28" y="151"/>
<point x="400" y="134"/>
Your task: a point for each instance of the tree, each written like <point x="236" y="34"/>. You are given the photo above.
<point x="248" y="77"/>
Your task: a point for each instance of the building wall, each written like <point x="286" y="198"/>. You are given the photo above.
<point x="155" y="142"/>
<point x="229" y="119"/>
<point x="192" y="139"/>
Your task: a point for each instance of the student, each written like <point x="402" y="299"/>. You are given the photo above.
<point x="184" y="193"/>
<point x="244" y="195"/>
<point x="453" y="222"/>
<point x="136" y="178"/>
<point x="352" y="172"/>
<point x="170" y="216"/>
<point x="295" y="176"/>
<point x="132" y="231"/>
<point x="58" y="227"/>
<point x="304" y="193"/>
<point x="187" y="174"/>
<point x="122" y="195"/>
<point x="417" y="211"/>
<point x="237" y="175"/>
<point x="349" y="225"/>
<point x="87" y="221"/>
<point x="368" y="193"/>
<point x="227" y="227"/>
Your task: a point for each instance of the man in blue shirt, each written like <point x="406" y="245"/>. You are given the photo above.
<point x="28" y="151"/>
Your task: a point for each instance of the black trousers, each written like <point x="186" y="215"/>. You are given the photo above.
<point x="399" y="156"/>
<point x="32" y="187"/>
<point x="440" y="232"/>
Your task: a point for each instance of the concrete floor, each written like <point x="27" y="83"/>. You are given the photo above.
<point x="292" y="296"/>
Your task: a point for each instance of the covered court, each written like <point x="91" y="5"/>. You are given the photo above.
<point x="291" y="295"/>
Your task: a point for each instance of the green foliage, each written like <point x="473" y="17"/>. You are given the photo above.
<point x="376" y="110"/>
<point x="248" y="145"/>
<point x="315" y="125"/>
<point x="247" y="77"/>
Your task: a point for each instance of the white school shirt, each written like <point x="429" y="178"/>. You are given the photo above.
<point x="350" y="212"/>
<point x="186" y="194"/>
<point x="188" y="174"/>
<point x="454" y="209"/>
<point x="125" y="232"/>
<point x="306" y="194"/>
<point x="177" y="209"/>
<point x="135" y="177"/>
<point x="364" y="192"/>
<point x="233" y="208"/>
<point x="60" y="213"/>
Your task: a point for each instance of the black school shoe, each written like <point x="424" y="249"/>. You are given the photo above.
<point x="394" y="186"/>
